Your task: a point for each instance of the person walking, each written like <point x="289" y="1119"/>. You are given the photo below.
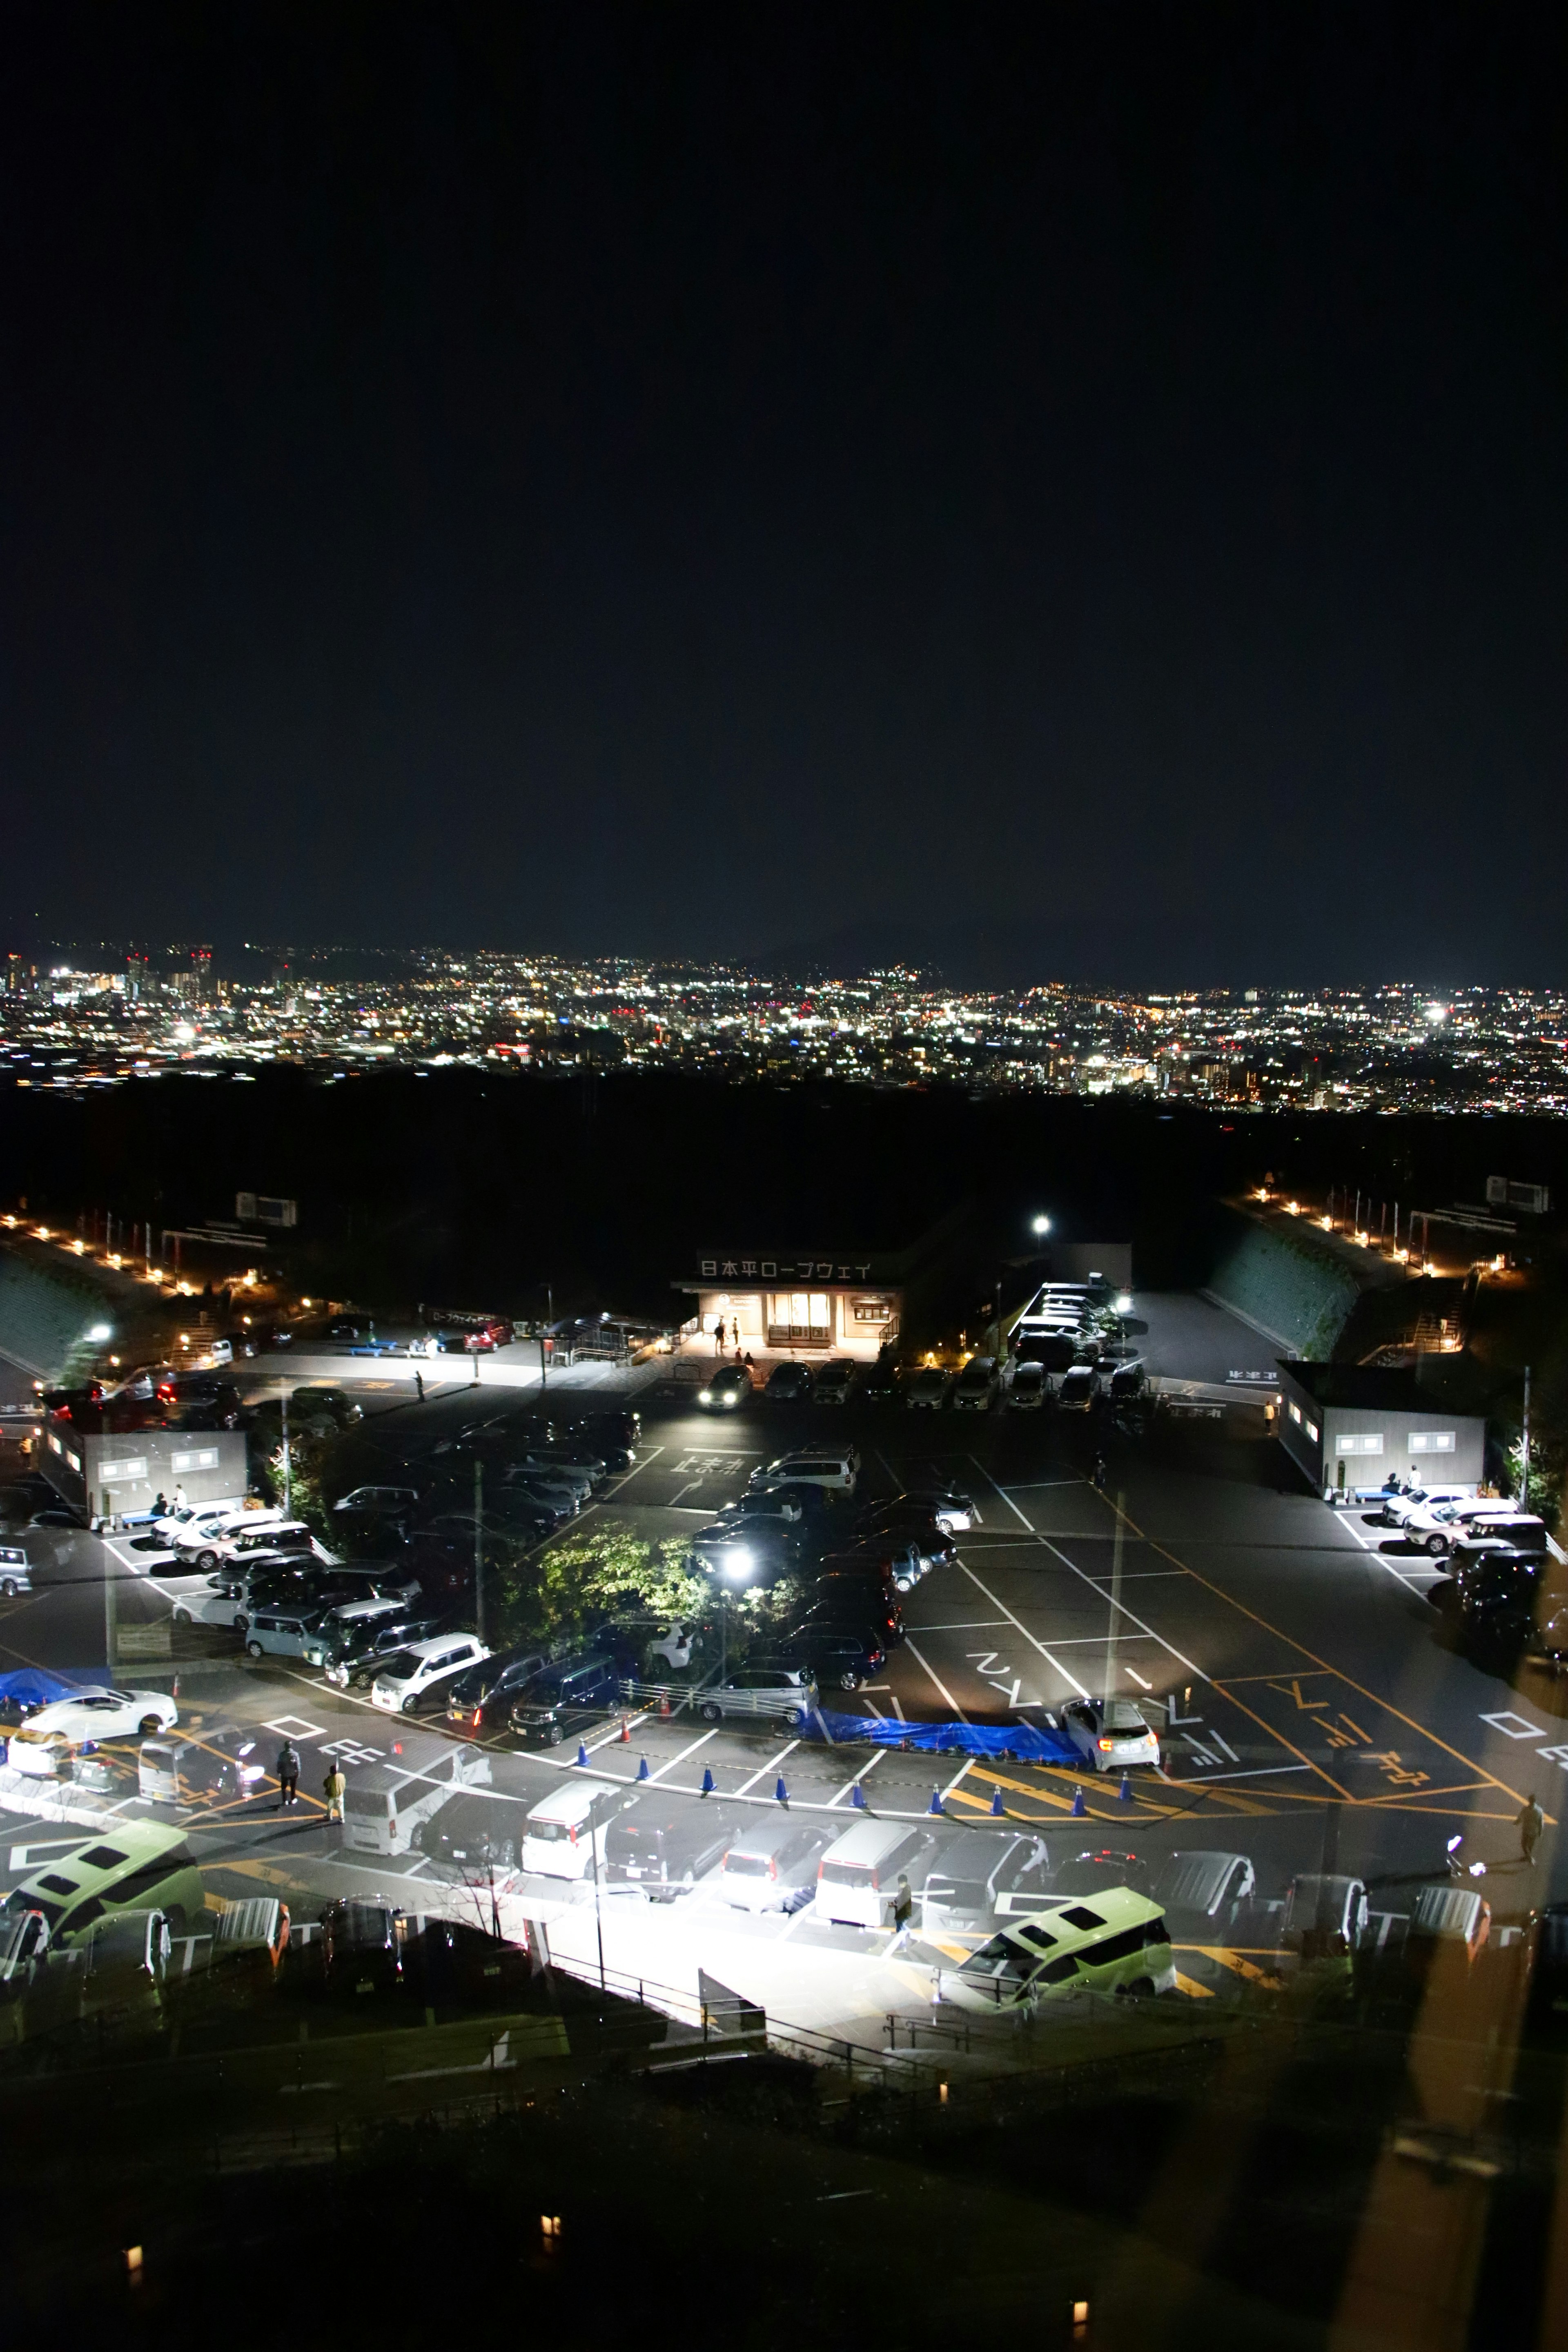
<point x="735" y="1333"/>
<point x="719" y="1337"/>
<point x="288" y="1775"/>
<point x="1530" y="1821"/>
<point x="337" y="1789"/>
<point x="419" y="1382"/>
<point x="903" y="1909"/>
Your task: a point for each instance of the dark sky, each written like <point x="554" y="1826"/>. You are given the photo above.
<point x="1076" y="489"/>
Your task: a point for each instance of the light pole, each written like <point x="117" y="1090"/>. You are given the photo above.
<point x="1524" y="1449"/>
<point x="480" y="1549"/>
<point x="287" y="1481"/>
<point x="544" y="1343"/>
<point x="593" y="1804"/>
<point x="1123" y="1310"/>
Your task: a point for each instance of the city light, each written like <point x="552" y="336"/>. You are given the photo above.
<point x="1041" y="1225"/>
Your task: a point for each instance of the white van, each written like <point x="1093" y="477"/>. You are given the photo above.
<point x="15" y="1574"/>
<point x="832" y="1469"/>
<point x="555" y="1834"/>
<point x="858" y="1877"/>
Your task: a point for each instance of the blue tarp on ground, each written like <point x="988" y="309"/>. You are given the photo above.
<point x="1028" y="1743"/>
<point x="38" y="1685"/>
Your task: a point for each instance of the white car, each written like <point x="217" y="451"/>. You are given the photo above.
<point x="196" y="1545"/>
<point x="47" y="1736"/>
<point x="418" y="1673"/>
<point x="1109" y="1734"/>
<point x="193" y="1517"/>
<point x="209" y="1600"/>
<point x="1397" y="1508"/>
<point x="834" y="1470"/>
<point x="673" y="1645"/>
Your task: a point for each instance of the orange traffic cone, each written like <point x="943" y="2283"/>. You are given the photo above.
<point x="664" y="1703"/>
<point x="626" y="1734"/>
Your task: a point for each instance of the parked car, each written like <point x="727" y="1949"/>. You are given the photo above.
<point x="1395" y="1508"/>
<point x="565" y="1835"/>
<point x="287" y="1633"/>
<point x="926" y="1391"/>
<point x="831" y="1383"/>
<point x="483" y="1695"/>
<point x="744" y="1551"/>
<point x="1118" y="1943"/>
<point x="566" y="1699"/>
<point x="773" y="1865"/>
<point x="195" y="1518"/>
<point x="838" y="1654"/>
<point x="473" y="1835"/>
<point x="97" y="1713"/>
<point x="1446" y="1919"/>
<point x="858" y="1877"/>
<point x="976" y="1387"/>
<point x="789" y="1384"/>
<point x="1077" y="1391"/>
<point x="1325" y="1914"/>
<point x="15" y="1575"/>
<point x="879" y="1382"/>
<point x="1029" y="1389"/>
<point x="761" y="1695"/>
<point x="1092" y="1872"/>
<point x="214" y="1601"/>
<point x="362" y="1951"/>
<point x="1109" y="1734"/>
<point x="974" y="1874"/>
<point x="1547" y="1955"/>
<point x="799" y="1503"/>
<point x="728" y="1386"/>
<point x="911" y="1540"/>
<point x="417" y="1677"/>
<point x="954" y="1507"/>
<point x="665" y="1843"/>
<point x="1205" y="1889"/>
<point x="1518" y="1535"/>
<point x="833" y="1470"/>
<point x="356" y="1655"/>
<point x="195" y="1543"/>
<point x="215" y="1769"/>
<point x="322" y="1412"/>
<point x="398" y="1500"/>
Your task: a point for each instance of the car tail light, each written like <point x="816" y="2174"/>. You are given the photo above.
<point x="477" y="1711"/>
<point x="773" y="1866"/>
<point x="1106" y="1745"/>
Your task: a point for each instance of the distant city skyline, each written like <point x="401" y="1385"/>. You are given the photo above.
<point x="1398" y="1045"/>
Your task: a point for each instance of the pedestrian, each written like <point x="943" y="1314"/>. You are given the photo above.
<point x="288" y="1775"/>
<point x="749" y="1365"/>
<point x="179" y="1504"/>
<point x="337" y="1789"/>
<point x="735" y="1333"/>
<point x="419" y="1382"/>
<point x="719" y="1337"/>
<point x="903" y="1907"/>
<point x="160" y="1507"/>
<point x="1530" y="1821"/>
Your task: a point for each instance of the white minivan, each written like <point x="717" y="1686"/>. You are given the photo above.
<point x="858" y="1877"/>
<point x="556" y="1842"/>
<point x="419" y="1675"/>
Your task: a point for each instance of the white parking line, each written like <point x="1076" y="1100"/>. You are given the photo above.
<point x="1048" y="1655"/>
<point x="956" y="1778"/>
<point x="849" y="1786"/>
<point x="763" y="1773"/>
<point x="691" y="1746"/>
<point x="1008" y="1498"/>
<point x="936" y="1678"/>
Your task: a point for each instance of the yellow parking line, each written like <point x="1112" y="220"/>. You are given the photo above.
<point x="1191" y="1986"/>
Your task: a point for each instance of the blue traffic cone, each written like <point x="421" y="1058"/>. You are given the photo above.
<point x="582" y="1752"/>
<point x="858" y="1797"/>
<point x="642" y="1767"/>
<point x="1078" y="1807"/>
<point x="935" y="1804"/>
<point x="1127" y="1788"/>
<point x="707" y="1790"/>
<point x="781" y="1793"/>
<point x="996" y="1800"/>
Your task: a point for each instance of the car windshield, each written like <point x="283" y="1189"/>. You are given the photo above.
<point x="400" y="1666"/>
<point x="997" y="1961"/>
<point x="549" y="1832"/>
<point x="746" y="1865"/>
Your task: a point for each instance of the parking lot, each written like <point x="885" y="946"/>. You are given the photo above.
<point x="1309" y="1719"/>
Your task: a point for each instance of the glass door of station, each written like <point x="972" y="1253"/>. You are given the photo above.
<point x="799" y="1318"/>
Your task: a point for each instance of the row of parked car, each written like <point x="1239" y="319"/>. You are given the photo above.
<point x="1022" y="1383"/>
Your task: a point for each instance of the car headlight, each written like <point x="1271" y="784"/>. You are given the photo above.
<point x="733" y="1397"/>
<point x="704" y="1396"/>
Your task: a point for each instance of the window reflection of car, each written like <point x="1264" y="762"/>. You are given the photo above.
<point x="49" y="1736"/>
<point x="1118" y="1943"/>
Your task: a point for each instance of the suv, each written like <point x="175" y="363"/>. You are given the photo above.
<point x="831" y="1385"/>
<point x="565" y="1698"/>
<point x="976" y="1385"/>
<point x="417" y="1677"/>
<point x="926" y="1389"/>
<point x="482" y="1696"/>
<point x="761" y="1694"/>
<point x="665" y="1843"/>
<point x="789" y="1384"/>
<point x="835" y="1471"/>
<point x="356" y="1654"/>
<point x="835" y="1652"/>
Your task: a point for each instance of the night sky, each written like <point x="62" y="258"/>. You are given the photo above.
<point x="1064" y="490"/>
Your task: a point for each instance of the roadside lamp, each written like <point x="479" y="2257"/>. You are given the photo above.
<point x="1040" y="1226"/>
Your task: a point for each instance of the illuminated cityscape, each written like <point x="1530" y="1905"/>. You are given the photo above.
<point x="72" y="1022"/>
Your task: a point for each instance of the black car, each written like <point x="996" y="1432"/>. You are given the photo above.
<point x="362" y="1951"/>
<point x="879" y="1385"/>
<point x="840" y="1657"/>
<point x="473" y="1835"/>
<point x="1093" y="1873"/>
<point x="665" y="1843"/>
<point x="449" y="1962"/>
<point x="567" y="1700"/>
<point x="483" y="1695"/>
<point x="867" y="1594"/>
<point x="744" y="1551"/>
<point x="1547" y="1947"/>
<point x="789" y="1384"/>
<point x="357" y="1659"/>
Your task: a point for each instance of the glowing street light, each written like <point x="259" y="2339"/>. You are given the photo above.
<point x="1040" y="1226"/>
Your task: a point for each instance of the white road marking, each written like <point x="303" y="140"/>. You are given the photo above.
<point x="964" y="1625"/>
<point x="294" y="1726"/>
<point x="1008" y="1498"/>
<point x="688" y="1750"/>
<point x="1140" y="1681"/>
<point x="1048" y="1655"/>
<point x="765" y="1769"/>
<point x="1506" y="1721"/>
<point x="846" y="1790"/>
<point x="936" y="1678"/>
<point x="956" y="1778"/>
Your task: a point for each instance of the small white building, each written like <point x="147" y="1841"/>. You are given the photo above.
<point x="1351" y="1427"/>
